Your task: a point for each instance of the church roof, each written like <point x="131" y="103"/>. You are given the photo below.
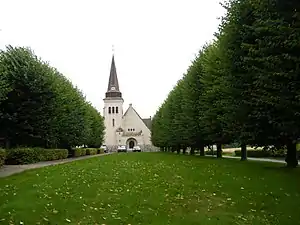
<point x="113" y="89"/>
<point x="147" y="122"/>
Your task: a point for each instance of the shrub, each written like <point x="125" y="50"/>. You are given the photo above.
<point x="78" y="152"/>
<point x="32" y="155"/>
<point x="100" y="151"/>
<point x="91" y="151"/>
<point x="22" y="156"/>
<point x="2" y="157"/>
<point x="210" y="153"/>
<point x="265" y="154"/>
<point x="255" y="153"/>
<point x="53" y="154"/>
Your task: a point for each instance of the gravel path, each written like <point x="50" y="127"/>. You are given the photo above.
<point x="8" y="170"/>
<point x="257" y="159"/>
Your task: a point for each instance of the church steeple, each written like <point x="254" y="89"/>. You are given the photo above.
<point x="113" y="90"/>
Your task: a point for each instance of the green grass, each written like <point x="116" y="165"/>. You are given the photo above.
<point x="153" y="188"/>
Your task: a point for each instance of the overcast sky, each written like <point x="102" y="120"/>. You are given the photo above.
<point x="154" y="41"/>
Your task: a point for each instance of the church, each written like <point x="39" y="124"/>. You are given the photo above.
<point x="127" y="129"/>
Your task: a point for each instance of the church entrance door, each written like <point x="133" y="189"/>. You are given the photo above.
<point x="131" y="144"/>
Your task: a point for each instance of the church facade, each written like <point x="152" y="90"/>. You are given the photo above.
<point x="123" y="129"/>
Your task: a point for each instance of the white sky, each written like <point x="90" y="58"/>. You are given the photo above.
<point x="154" y="41"/>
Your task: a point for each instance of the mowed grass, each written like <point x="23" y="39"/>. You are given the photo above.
<point x="153" y="188"/>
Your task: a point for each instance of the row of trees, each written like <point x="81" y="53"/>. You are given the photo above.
<point x="243" y="87"/>
<point x="41" y="107"/>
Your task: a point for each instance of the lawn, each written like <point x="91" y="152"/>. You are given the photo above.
<point x="153" y="188"/>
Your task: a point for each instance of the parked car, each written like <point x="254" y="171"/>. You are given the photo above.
<point x="122" y="148"/>
<point x="104" y="147"/>
<point x="136" y="149"/>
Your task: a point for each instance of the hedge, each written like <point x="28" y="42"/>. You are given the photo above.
<point x="91" y="151"/>
<point x="264" y="154"/>
<point x="76" y="152"/>
<point x="2" y="157"/>
<point x="53" y="154"/>
<point x="32" y="155"/>
<point x="100" y="151"/>
<point x="255" y="153"/>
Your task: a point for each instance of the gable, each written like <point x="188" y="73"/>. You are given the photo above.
<point x="132" y="118"/>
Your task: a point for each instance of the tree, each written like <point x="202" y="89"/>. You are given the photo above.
<point x="24" y="110"/>
<point x="261" y="41"/>
<point x="40" y="107"/>
<point x="192" y="90"/>
<point x="214" y="101"/>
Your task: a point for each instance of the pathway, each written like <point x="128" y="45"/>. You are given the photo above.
<point x="8" y="170"/>
<point x="257" y="159"/>
<point x="253" y="159"/>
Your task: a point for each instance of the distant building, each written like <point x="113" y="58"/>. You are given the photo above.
<point x="127" y="129"/>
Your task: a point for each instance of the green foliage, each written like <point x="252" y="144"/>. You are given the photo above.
<point x="261" y="40"/>
<point x="91" y="151"/>
<point x="214" y="101"/>
<point x="2" y="157"/>
<point x="100" y="151"/>
<point x="76" y="152"/>
<point x="22" y="156"/>
<point x="39" y="107"/>
<point x="18" y="156"/>
<point x="242" y="87"/>
<point x="265" y="154"/>
<point x="255" y="153"/>
<point x="95" y="127"/>
<point x="191" y="107"/>
<point x="53" y="154"/>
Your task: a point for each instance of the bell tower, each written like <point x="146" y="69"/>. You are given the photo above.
<point x="113" y="107"/>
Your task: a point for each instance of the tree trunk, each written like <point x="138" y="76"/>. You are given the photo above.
<point x="243" y="152"/>
<point x="178" y="150"/>
<point x="291" y="155"/>
<point x="7" y="143"/>
<point x="184" y="150"/>
<point x="192" y="152"/>
<point x="201" y="149"/>
<point x="219" y="151"/>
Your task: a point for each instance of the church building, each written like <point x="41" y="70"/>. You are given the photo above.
<point x="127" y="129"/>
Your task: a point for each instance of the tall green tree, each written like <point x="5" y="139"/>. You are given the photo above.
<point x="261" y="40"/>
<point x="41" y="107"/>
<point x="192" y="110"/>
<point x="24" y="111"/>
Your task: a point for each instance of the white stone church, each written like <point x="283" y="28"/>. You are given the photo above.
<point x="127" y="129"/>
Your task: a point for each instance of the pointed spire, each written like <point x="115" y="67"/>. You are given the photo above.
<point x="113" y="84"/>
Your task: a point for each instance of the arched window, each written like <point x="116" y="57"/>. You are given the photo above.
<point x="109" y="110"/>
<point x="113" y="109"/>
<point x="117" y="109"/>
<point x="113" y="122"/>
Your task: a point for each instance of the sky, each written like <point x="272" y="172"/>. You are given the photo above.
<point x="154" y="42"/>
